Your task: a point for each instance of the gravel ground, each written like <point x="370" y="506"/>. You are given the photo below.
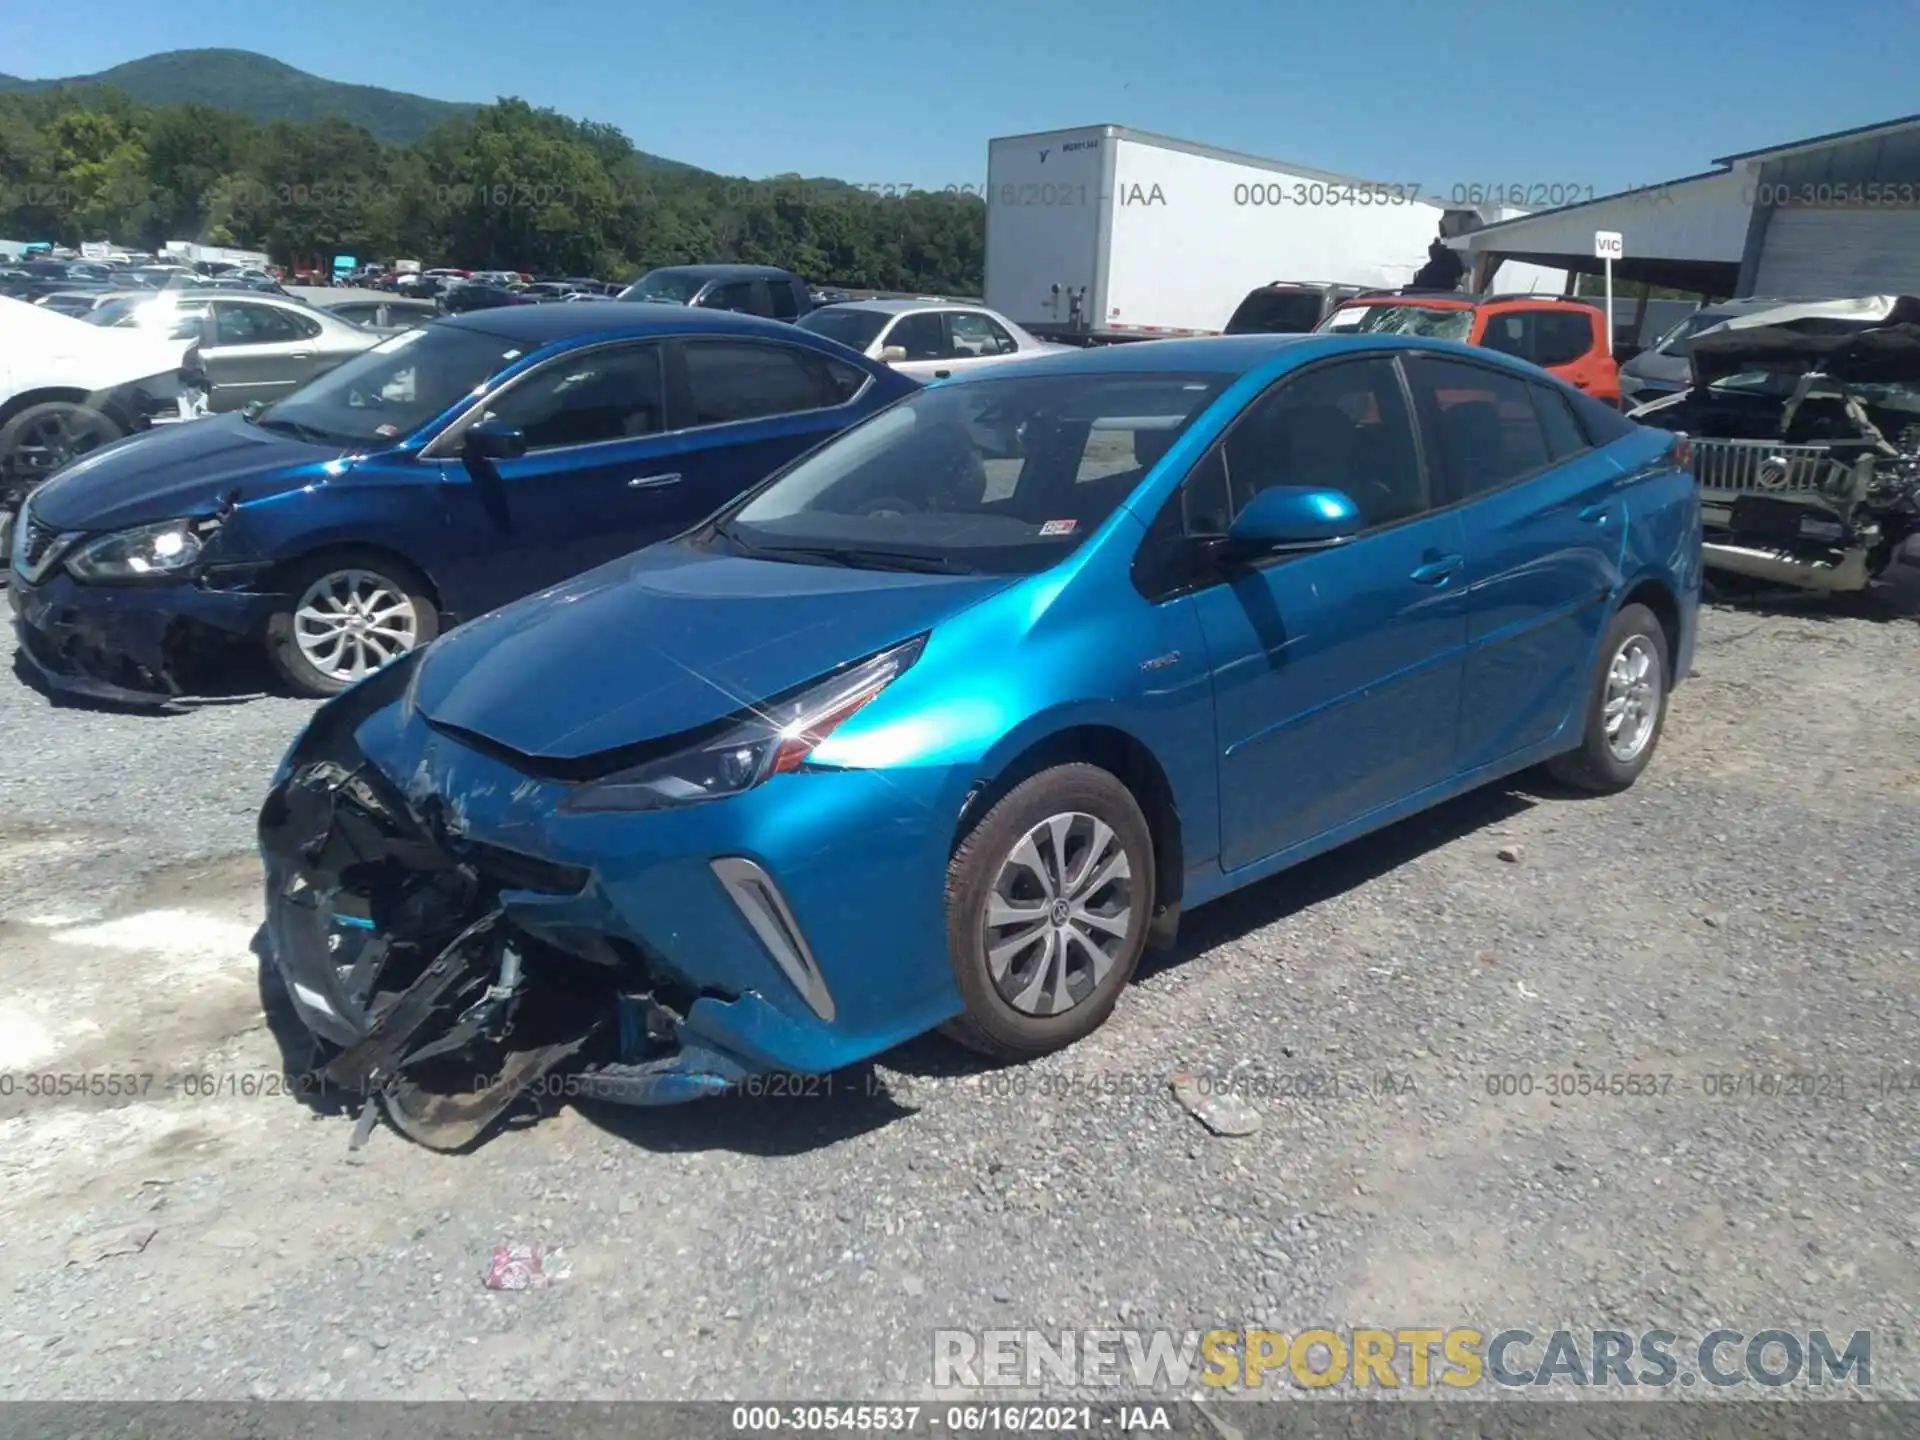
<point x="1748" y="909"/>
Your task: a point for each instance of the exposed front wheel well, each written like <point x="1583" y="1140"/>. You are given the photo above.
<point x="1120" y="755"/>
<point x="66" y="396"/>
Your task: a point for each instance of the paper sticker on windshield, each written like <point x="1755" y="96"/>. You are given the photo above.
<point x="385" y="431"/>
<point x="1058" y="527"/>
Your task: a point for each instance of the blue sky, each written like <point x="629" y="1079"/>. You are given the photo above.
<point x="1490" y="91"/>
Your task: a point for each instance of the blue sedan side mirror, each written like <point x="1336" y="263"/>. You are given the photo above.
<point x="495" y="440"/>
<point x="1294" y="517"/>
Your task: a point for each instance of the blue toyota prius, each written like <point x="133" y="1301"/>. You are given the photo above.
<point x="444" y="472"/>
<point x="945" y="722"/>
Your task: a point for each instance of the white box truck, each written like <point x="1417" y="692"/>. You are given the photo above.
<point x="1105" y="233"/>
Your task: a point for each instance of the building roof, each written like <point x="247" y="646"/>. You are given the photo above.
<point x="1814" y="142"/>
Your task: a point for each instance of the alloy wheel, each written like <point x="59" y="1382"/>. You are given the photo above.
<point x="351" y="622"/>
<point x="53" y="441"/>
<point x="1059" y="914"/>
<point x="1633" y="698"/>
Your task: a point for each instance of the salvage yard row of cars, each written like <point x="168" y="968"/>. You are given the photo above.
<point x="673" y="654"/>
<point x="973" y="665"/>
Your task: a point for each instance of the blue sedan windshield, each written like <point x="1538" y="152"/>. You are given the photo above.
<point x="385" y="394"/>
<point x="1002" y="476"/>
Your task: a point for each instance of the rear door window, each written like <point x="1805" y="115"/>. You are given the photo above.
<point x="976" y="334"/>
<point x="731" y="380"/>
<point x="1480" y="422"/>
<point x="780" y="293"/>
<point x="1511" y="332"/>
<point x="1565" y="438"/>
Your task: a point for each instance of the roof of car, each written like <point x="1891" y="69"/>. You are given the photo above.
<point x="545" y="324"/>
<point x="1216" y="354"/>
<point x="901" y="307"/>
<point x="721" y="272"/>
<point x="1462" y="299"/>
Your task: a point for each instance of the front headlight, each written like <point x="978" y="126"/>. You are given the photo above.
<point x="775" y="739"/>
<point x="148" y="550"/>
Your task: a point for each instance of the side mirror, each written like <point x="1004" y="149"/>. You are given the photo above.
<point x="893" y="354"/>
<point x="1290" y="518"/>
<point x="251" y="410"/>
<point x="495" y="440"/>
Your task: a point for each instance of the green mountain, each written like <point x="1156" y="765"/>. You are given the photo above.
<point x="262" y="89"/>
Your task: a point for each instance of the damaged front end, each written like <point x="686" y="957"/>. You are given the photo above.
<point x="401" y="948"/>
<point x="1804" y="426"/>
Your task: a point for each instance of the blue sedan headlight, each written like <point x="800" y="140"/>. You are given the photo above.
<point x="167" y="548"/>
<point x="772" y="741"/>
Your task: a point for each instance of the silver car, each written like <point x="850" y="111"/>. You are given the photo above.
<point x="254" y="347"/>
<point x="927" y="339"/>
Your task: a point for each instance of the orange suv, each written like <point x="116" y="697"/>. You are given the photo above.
<point x="1567" y="337"/>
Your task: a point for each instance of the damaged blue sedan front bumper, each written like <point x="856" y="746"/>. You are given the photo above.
<point x="458" y="938"/>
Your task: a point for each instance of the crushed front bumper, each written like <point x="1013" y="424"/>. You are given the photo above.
<point x="427" y="900"/>
<point x="126" y="644"/>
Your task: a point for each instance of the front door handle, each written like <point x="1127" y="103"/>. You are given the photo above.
<point x="1597" y="514"/>
<point x="941" y="374"/>
<point x="1435" y="572"/>
<point x="652" y="482"/>
<point x="301" y="355"/>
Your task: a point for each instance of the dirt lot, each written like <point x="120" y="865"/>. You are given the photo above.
<point x="1749" y="910"/>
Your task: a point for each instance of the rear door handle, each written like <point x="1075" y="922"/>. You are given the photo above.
<point x="1597" y="514"/>
<point x="1435" y="572"/>
<point x="652" y="482"/>
<point x="941" y="374"/>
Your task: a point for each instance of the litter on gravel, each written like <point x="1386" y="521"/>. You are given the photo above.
<point x="526" y="1267"/>
<point x="1222" y="1112"/>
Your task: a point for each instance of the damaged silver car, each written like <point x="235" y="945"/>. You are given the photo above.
<point x="1804" y="424"/>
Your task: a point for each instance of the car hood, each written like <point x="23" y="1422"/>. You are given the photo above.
<point x="1873" y="338"/>
<point x="666" y="640"/>
<point x="42" y="348"/>
<point x="188" y="468"/>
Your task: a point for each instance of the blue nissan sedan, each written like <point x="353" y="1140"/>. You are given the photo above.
<point x="444" y="472"/>
<point x="946" y="722"/>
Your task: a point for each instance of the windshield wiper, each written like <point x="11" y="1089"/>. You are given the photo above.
<point x="855" y="558"/>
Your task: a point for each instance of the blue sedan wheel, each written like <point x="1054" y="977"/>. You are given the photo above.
<point x="346" y="615"/>
<point x="1625" y="708"/>
<point x="1048" y="903"/>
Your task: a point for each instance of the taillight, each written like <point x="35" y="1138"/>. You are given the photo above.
<point x="1682" y="452"/>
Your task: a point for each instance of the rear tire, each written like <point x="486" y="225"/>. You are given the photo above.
<point x="1049" y="902"/>
<point x="1626" y="706"/>
<point x="344" y="612"/>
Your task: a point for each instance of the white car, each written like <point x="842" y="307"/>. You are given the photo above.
<point x="67" y="387"/>
<point x="927" y="339"/>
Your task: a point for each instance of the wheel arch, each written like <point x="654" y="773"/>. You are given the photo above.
<point x="1124" y="756"/>
<point x="1659" y="597"/>
<point x="286" y="565"/>
<point x="65" y="395"/>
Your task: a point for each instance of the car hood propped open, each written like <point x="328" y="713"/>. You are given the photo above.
<point x="1876" y="337"/>
<point x="665" y="641"/>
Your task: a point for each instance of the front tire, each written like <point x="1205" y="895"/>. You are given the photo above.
<point x="42" y="438"/>
<point x="1049" y="900"/>
<point x="1626" y="708"/>
<point x="344" y="616"/>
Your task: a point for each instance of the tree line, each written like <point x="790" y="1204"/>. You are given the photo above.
<point x="511" y="187"/>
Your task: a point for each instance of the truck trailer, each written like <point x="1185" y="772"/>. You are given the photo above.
<point x="1103" y="233"/>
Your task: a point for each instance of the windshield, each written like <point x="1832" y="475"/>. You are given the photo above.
<point x="385" y="394"/>
<point x="675" y="287"/>
<point x="1002" y="476"/>
<point x="1450" y="323"/>
<point x="167" y="315"/>
<point x="855" y="328"/>
<point x="1675" y="341"/>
